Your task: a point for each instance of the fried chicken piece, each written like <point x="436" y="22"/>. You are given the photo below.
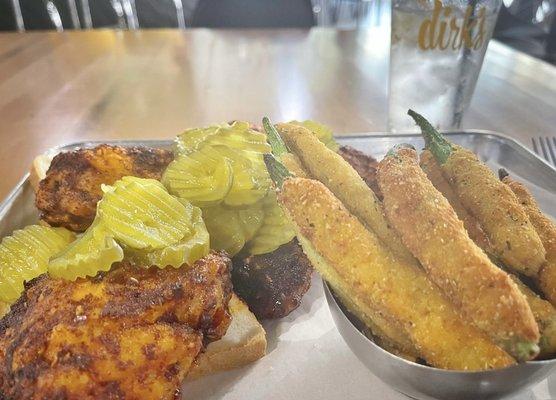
<point x="365" y="166"/>
<point x="69" y="194"/>
<point x="132" y="333"/>
<point x="273" y="284"/>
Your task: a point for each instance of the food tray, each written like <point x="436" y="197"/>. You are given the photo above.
<point x="307" y="358"/>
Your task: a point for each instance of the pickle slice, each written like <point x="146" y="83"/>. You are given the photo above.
<point x="231" y="228"/>
<point x="322" y="132"/>
<point x="251" y="179"/>
<point x="190" y="140"/>
<point x="190" y="249"/>
<point x="141" y="214"/>
<point x="93" y="252"/>
<point x="251" y="220"/>
<point x="205" y="181"/>
<point x="225" y="229"/>
<point x="24" y="255"/>
<point x="238" y="135"/>
<point x="198" y="179"/>
<point x="275" y="231"/>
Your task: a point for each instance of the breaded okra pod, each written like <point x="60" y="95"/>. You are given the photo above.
<point x="391" y="285"/>
<point x="545" y="315"/>
<point x="388" y="335"/>
<point x="337" y="175"/>
<point x="434" y="173"/>
<point x="543" y="311"/>
<point x="512" y="236"/>
<point x="546" y="228"/>
<point x="432" y="231"/>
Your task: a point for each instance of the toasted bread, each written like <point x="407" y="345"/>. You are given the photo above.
<point x="39" y="167"/>
<point x="245" y="339"/>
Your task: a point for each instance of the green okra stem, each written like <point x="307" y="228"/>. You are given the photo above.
<point x="434" y="141"/>
<point x="274" y="139"/>
<point x="278" y="172"/>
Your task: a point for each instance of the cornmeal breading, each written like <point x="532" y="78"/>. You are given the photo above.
<point x="434" y="173"/>
<point x="336" y="174"/>
<point x="431" y="230"/>
<point x="391" y="285"/>
<point x="513" y="238"/>
<point x="546" y="228"/>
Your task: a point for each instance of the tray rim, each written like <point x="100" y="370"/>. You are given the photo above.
<point x="354" y="135"/>
<point x="362" y="135"/>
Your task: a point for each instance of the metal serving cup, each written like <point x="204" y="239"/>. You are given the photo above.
<point x="427" y="383"/>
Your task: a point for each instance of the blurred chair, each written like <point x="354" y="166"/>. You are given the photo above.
<point x="54" y="15"/>
<point x="162" y="13"/>
<point x="180" y="16"/>
<point x="254" y="14"/>
<point x="74" y="14"/>
<point x="86" y="14"/>
<point x="528" y="25"/>
<point x="130" y="12"/>
<point x="51" y="15"/>
<point x="18" y="16"/>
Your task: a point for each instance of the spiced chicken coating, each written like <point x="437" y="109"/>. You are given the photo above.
<point x="132" y="333"/>
<point x="273" y="284"/>
<point x="69" y="193"/>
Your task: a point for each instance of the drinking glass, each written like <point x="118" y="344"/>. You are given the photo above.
<point x="437" y="49"/>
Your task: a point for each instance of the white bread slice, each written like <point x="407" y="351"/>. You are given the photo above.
<point x="39" y="167"/>
<point x="243" y="343"/>
<point x="245" y="339"/>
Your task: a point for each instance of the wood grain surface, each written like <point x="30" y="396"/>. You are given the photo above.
<point x="57" y="88"/>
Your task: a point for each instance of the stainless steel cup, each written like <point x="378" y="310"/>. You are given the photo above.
<point x="426" y="383"/>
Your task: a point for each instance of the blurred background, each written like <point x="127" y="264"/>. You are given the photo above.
<point x="527" y="25"/>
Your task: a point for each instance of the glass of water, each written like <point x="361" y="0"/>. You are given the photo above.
<point x="437" y="49"/>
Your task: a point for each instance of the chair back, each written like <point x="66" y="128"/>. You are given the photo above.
<point x="254" y="14"/>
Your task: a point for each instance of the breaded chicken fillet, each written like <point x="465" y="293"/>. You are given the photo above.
<point x="132" y="333"/>
<point x="69" y="194"/>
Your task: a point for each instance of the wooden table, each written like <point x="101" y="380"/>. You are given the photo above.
<point x="58" y="88"/>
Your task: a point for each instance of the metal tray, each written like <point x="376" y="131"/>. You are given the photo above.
<point x="306" y="357"/>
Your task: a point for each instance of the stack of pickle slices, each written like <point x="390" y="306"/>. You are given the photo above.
<point x="139" y="220"/>
<point x="221" y="169"/>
